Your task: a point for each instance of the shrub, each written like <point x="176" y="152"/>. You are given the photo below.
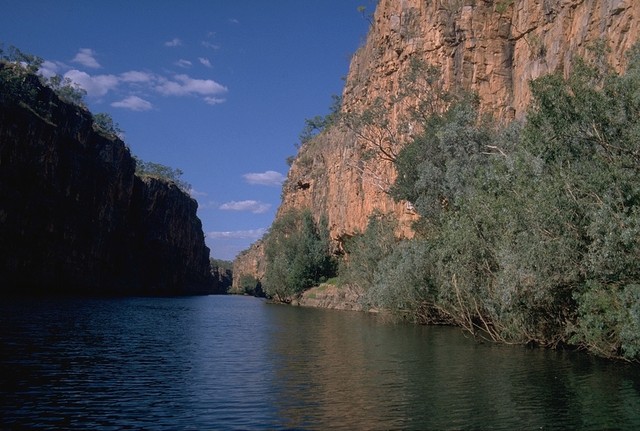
<point x="297" y="254"/>
<point x="365" y="251"/>
<point x="163" y="172"/>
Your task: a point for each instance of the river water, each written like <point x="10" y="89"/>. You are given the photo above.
<point x="229" y="362"/>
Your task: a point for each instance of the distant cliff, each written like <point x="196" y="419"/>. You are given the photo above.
<point x="75" y="217"/>
<point x="492" y="47"/>
<point x="249" y="263"/>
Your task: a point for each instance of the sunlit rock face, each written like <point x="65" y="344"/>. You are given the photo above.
<point x="250" y="262"/>
<point x="492" y="47"/>
<point x="75" y="218"/>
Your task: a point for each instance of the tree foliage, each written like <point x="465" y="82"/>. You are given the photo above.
<point x="67" y="90"/>
<point x="19" y="67"/>
<point x="105" y="124"/>
<point x="315" y="125"/>
<point x="366" y="250"/>
<point x="163" y="172"/>
<point x="298" y="255"/>
<point x="530" y="232"/>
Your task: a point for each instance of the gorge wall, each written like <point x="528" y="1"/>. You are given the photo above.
<point x="492" y="47"/>
<point x="75" y="218"/>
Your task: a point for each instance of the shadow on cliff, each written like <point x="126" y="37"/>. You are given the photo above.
<point x="75" y="218"/>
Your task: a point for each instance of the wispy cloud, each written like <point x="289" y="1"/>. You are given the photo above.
<point x="238" y="234"/>
<point x="209" y="41"/>
<point x="185" y="64"/>
<point x="268" y="178"/>
<point x="196" y="194"/>
<point x="134" y="103"/>
<point x="210" y="45"/>
<point x="133" y="82"/>
<point x="96" y="85"/>
<point x="173" y="42"/>
<point x="214" y="100"/>
<point x="234" y="21"/>
<point x="255" y="207"/>
<point x="86" y="57"/>
<point x="137" y="76"/>
<point x="50" y="68"/>
<point x="183" y="85"/>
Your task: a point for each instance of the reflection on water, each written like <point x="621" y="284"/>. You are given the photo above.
<point x="236" y="362"/>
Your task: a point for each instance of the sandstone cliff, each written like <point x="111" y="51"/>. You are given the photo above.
<point x="249" y="263"/>
<point x="73" y="215"/>
<point x="493" y="47"/>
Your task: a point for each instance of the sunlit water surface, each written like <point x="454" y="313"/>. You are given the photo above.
<point x="221" y="362"/>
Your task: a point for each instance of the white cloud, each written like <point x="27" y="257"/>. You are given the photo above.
<point x="238" y="234"/>
<point x="194" y="193"/>
<point x="234" y="21"/>
<point x="136" y="76"/>
<point x="268" y="178"/>
<point x="210" y="45"/>
<point x="173" y="42"/>
<point x="86" y="57"/>
<point x="185" y="64"/>
<point x="49" y="68"/>
<point x="185" y="85"/>
<point x="205" y="61"/>
<point x="201" y="86"/>
<point x="135" y="82"/>
<point x="207" y="205"/>
<point x="133" y="103"/>
<point x="96" y="86"/>
<point x="255" y="207"/>
<point x="214" y="100"/>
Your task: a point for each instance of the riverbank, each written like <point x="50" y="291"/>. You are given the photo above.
<point x="331" y="296"/>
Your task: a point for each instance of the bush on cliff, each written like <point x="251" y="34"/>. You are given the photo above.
<point x="18" y="67"/>
<point x="163" y="172"/>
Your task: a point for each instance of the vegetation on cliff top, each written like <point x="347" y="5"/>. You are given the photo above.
<point x="74" y="217"/>
<point x="18" y="68"/>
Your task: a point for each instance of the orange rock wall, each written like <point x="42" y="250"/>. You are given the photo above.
<point x="493" y="47"/>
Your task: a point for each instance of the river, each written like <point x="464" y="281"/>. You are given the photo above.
<point x="230" y="362"/>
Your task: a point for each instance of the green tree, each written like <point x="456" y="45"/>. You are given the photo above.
<point x="314" y="126"/>
<point x="105" y="124"/>
<point x="163" y="172"/>
<point x="365" y="251"/>
<point x="402" y="283"/>
<point x="298" y="255"/>
<point x="250" y="285"/>
<point x="68" y="91"/>
<point x="585" y="131"/>
<point x="23" y="64"/>
<point x="437" y="169"/>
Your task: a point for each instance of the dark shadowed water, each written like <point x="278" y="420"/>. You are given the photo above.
<point x="221" y="362"/>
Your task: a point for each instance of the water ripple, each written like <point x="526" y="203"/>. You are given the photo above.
<point x="237" y="363"/>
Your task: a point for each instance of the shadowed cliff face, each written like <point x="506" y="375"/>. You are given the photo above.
<point x="492" y="47"/>
<point x="74" y="217"/>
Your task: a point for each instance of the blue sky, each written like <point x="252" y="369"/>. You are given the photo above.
<point x="218" y="88"/>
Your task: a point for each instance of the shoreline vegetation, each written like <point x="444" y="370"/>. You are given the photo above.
<point x="529" y="232"/>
